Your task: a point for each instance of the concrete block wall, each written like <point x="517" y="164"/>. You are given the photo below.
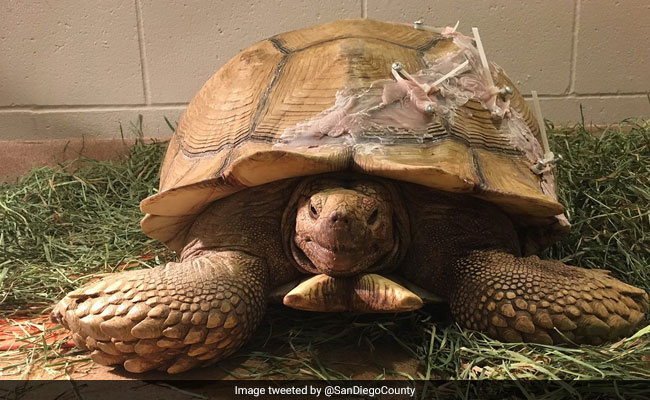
<point x="80" y="68"/>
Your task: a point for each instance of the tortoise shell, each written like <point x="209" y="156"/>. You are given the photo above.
<point x="243" y="129"/>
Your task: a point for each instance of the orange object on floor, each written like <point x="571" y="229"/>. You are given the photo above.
<point x="25" y="332"/>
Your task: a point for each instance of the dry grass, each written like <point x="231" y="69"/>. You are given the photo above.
<point x="61" y="227"/>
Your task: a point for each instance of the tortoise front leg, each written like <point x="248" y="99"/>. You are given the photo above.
<point x="173" y="317"/>
<point x="517" y="299"/>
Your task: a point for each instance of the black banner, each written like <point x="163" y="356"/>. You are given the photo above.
<point x="298" y="389"/>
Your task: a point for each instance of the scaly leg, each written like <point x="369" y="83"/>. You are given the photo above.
<point x="173" y="317"/>
<point x="517" y="299"/>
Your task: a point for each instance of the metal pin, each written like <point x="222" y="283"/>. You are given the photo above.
<point x="540" y="121"/>
<point x="549" y="158"/>
<point x="429" y="108"/>
<point x="400" y="73"/>
<point x="420" y="26"/>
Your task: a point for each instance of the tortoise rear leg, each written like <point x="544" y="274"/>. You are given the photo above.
<point x="517" y="299"/>
<point x="173" y="317"/>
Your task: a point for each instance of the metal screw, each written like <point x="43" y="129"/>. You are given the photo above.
<point x="549" y="159"/>
<point x="538" y="167"/>
<point x="397" y="66"/>
<point x="506" y="92"/>
<point x="418" y="24"/>
<point x="429" y="108"/>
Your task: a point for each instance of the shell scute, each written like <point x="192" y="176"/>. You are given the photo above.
<point x="314" y="100"/>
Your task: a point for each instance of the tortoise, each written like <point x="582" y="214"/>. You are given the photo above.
<point x="315" y="170"/>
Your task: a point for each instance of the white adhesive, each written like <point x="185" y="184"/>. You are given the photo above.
<point x="401" y="107"/>
<point x="369" y="118"/>
<point x="451" y="73"/>
<point x="520" y="136"/>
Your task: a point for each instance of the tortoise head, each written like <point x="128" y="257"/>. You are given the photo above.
<point x="343" y="226"/>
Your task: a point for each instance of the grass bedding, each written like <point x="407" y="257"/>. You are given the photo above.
<point x="59" y="227"/>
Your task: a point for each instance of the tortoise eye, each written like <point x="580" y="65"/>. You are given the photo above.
<point x="312" y="211"/>
<point x="373" y="217"/>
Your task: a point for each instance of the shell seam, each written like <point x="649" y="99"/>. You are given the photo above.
<point x="482" y="182"/>
<point x="423" y="47"/>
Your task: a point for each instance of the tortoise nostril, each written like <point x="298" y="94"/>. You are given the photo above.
<point x="338" y="218"/>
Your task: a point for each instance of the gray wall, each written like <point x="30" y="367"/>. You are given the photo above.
<point x="79" y="68"/>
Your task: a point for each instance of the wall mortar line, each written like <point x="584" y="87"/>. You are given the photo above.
<point x="603" y="96"/>
<point x="91" y="108"/>
<point x="143" y="53"/>
<point x="574" y="47"/>
<point x="38" y="109"/>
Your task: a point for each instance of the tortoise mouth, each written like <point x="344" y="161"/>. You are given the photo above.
<point x="343" y="261"/>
